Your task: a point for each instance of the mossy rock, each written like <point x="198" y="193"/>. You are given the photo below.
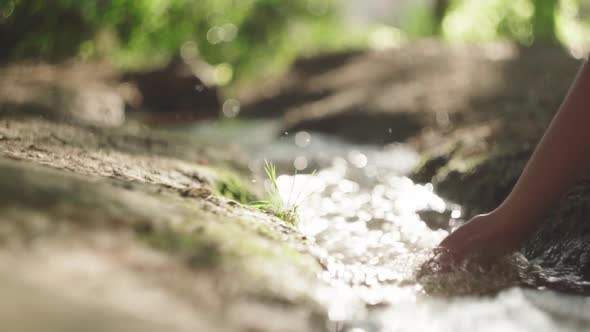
<point x="477" y="180"/>
<point x="562" y="242"/>
<point x="233" y="186"/>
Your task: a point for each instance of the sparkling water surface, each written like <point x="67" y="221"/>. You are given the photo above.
<point x="363" y="212"/>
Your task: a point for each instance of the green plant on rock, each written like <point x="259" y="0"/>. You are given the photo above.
<point x="275" y="204"/>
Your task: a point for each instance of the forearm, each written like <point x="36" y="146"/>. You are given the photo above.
<point x="560" y="159"/>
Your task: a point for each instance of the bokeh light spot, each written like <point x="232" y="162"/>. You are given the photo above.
<point x="215" y="35"/>
<point x="224" y="73"/>
<point x="230" y="31"/>
<point x="231" y="108"/>
<point x="189" y="51"/>
<point x="302" y="139"/>
<point x="357" y="158"/>
<point x="300" y="163"/>
<point x="385" y="37"/>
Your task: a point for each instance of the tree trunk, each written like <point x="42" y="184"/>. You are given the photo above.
<point x="440" y="10"/>
<point x="544" y="21"/>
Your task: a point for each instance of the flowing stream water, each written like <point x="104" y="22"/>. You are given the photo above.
<point x="363" y="213"/>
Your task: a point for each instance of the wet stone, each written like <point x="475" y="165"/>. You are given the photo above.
<point x="436" y="220"/>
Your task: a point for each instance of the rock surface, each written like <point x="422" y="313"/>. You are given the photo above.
<point x="98" y="94"/>
<point x="479" y="159"/>
<point x="399" y="94"/>
<point x="74" y="92"/>
<point x="118" y="228"/>
<point x="174" y="92"/>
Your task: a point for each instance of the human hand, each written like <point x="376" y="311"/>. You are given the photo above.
<point x="485" y="236"/>
<point x="483" y="239"/>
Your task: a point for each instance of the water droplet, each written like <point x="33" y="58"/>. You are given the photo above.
<point x="357" y="158"/>
<point x="215" y="35"/>
<point x="230" y="32"/>
<point x="300" y="163"/>
<point x="302" y="139"/>
<point x="231" y="108"/>
<point x="189" y="51"/>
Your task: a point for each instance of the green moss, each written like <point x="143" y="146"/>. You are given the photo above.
<point x="206" y="239"/>
<point x="232" y="186"/>
<point x="198" y="249"/>
<point x="432" y="163"/>
<point x="266" y="231"/>
<point x="461" y="164"/>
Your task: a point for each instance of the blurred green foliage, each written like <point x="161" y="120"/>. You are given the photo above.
<point x="573" y="26"/>
<point x="420" y="21"/>
<point x="487" y="20"/>
<point x="526" y="22"/>
<point x="240" y="34"/>
<point x="543" y="20"/>
<point x="245" y="38"/>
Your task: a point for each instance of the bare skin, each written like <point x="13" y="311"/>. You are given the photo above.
<point x="559" y="160"/>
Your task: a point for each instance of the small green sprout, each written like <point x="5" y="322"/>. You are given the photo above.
<point x="275" y="204"/>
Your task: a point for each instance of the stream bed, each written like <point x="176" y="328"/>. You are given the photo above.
<point x="360" y="208"/>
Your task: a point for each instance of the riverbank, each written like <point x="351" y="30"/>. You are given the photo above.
<point x="144" y="228"/>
